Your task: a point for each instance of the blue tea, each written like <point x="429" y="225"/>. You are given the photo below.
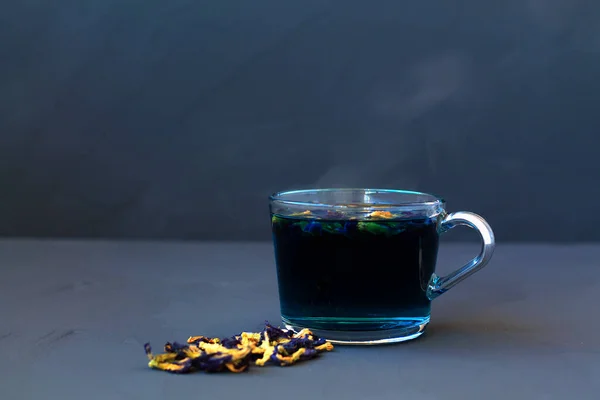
<point x="345" y="275"/>
<point x="356" y="266"/>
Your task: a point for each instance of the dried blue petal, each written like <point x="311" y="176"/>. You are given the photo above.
<point x="274" y="356"/>
<point x="313" y="227"/>
<point x="291" y="346"/>
<point x="231" y="343"/>
<point x="182" y="367"/>
<point x="236" y="354"/>
<point x="212" y="363"/>
<point x="297" y="343"/>
<point x="308" y="354"/>
<point x="276" y="333"/>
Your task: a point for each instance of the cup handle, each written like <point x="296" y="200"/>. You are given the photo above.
<point x="439" y="285"/>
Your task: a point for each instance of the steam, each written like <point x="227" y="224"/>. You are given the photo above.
<point x="429" y="83"/>
<point x="409" y="106"/>
<point x="386" y="151"/>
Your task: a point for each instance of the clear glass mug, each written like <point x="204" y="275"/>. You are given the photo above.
<point x="357" y="266"/>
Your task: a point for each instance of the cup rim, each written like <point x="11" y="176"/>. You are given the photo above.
<point x="435" y="199"/>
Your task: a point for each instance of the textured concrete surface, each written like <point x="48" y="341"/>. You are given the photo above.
<point x="76" y="314"/>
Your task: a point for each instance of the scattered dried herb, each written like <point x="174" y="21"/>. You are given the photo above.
<point x="381" y="214"/>
<point x="235" y="354"/>
<point x="376" y="222"/>
<point x="374" y="227"/>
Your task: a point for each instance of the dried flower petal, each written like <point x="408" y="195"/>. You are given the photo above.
<point x="235" y="354"/>
<point x="381" y="214"/>
<point x="298" y="214"/>
<point x="374" y="227"/>
<point x="276" y="333"/>
<point x="231" y="343"/>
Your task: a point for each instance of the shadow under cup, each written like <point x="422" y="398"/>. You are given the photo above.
<point x="357" y="266"/>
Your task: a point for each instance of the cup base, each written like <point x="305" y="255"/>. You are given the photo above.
<point x="401" y="330"/>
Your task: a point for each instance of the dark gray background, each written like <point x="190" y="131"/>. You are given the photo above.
<point x="175" y="119"/>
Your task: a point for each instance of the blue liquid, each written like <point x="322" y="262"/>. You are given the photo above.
<point x="337" y="275"/>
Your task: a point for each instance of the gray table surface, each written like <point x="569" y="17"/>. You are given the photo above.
<point x="75" y="315"/>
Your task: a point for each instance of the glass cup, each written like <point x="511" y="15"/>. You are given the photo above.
<point x="357" y="266"/>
